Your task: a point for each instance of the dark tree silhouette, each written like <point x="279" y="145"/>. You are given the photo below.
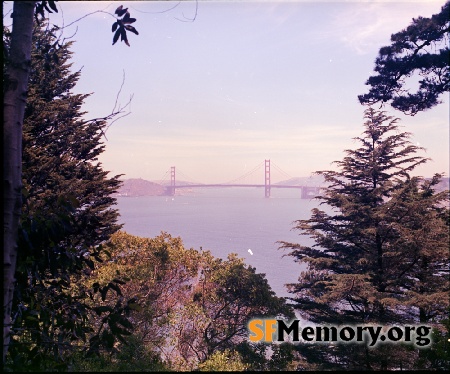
<point x="422" y="49"/>
<point x="122" y="25"/>
<point x="17" y="54"/>
<point x="380" y="254"/>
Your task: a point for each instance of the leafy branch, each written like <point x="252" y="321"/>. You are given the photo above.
<point x="122" y="25"/>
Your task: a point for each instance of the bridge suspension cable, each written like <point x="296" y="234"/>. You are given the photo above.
<point x="187" y="178"/>
<point x="245" y="175"/>
<point x="165" y="178"/>
<point x="287" y="175"/>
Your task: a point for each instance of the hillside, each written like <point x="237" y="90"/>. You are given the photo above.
<point x="443" y="185"/>
<point x="140" y="187"/>
<point x="313" y="180"/>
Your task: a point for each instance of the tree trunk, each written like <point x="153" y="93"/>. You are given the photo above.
<point x="14" y="100"/>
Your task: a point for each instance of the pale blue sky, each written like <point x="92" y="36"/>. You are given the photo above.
<point x="244" y="82"/>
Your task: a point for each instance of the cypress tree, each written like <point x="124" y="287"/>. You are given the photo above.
<point x="381" y="248"/>
<point x="16" y="68"/>
<point x="421" y="50"/>
<point x="68" y="211"/>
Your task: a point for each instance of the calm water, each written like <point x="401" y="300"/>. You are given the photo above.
<point x="227" y="220"/>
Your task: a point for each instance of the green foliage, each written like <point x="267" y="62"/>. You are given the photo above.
<point x="283" y="357"/>
<point x="67" y="213"/>
<point x="273" y="357"/>
<point x="421" y="48"/>
<point x="437" y="358"/>
<point x="134" y="356"/>
<point x="223" y="361"/>
<point x="189" y="304"/>
<point x="381" y="254"/>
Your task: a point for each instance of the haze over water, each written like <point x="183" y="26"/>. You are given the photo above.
<point x="226" y="220"/>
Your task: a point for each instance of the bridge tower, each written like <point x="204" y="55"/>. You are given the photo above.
<point x="267" y="179"/>
<point x="172" y="181"/>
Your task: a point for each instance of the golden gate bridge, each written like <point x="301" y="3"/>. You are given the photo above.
<point x="307" y="192"/>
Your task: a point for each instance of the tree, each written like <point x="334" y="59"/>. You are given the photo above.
<point x="381" y="249"/>
<point x="421" y="48"/>
<point x="67" y="211"/>
<point x="227" y="295"/>
<point x="192" y="305"/>
<point x="223" y="361"/>
<point x="270" y="357"/>
<point x="18" y="53"/>
<point x="14" y="95"/>
<point x="159" y="272"/>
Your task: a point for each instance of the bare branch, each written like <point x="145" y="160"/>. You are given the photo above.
<point x="117" y="111"/>
<point x="120" y="90"/>
<point x="162" y="11"/>
<point x="8" y="12"/>
<point x="187" y="19"/>
<point x="86" y="15"/>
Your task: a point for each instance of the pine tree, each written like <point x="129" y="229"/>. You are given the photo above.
<point x="67" y="211"/>
<point x="16" y="53"/>
<point x="422" y="48"/>
<point x="381" y="249"/>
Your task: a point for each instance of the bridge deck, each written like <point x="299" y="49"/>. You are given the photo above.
<point x="239" y="185"/>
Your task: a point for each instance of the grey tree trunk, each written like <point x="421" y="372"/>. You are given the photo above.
<point x="14" y="100"/>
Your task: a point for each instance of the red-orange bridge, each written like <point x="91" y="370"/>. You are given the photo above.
<point x="307" y="192"/>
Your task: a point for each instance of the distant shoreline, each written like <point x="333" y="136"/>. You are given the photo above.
<point x="136" y="187"/>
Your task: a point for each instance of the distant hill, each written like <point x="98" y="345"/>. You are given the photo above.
<point x="318" y="180"/>
<point x="443" y="185"/>
<point x="313" y="181"/>
<point x="140" y="187"/>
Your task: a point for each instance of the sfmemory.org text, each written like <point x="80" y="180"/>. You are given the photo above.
<point x="276" y="330"/>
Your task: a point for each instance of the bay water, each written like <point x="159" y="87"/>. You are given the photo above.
<point x="226" y="220"/>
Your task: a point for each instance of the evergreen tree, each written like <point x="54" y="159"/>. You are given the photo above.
<point x="381" y="249"/>
<point x="17" y="54"/>
<point x="421" y="48"/>
<point x="67" y="209"/>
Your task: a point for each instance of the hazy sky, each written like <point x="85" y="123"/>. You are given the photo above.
<point x="245" y="81"/>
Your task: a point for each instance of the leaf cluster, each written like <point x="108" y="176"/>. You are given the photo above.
<point x="423" y="48"/>
<point x="41" y="7"/>
<point x="122" y="25"/>
<point x="270" y="357"/>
